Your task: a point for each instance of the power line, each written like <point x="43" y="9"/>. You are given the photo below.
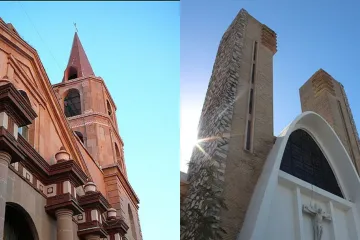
<point x="57" y="64"/>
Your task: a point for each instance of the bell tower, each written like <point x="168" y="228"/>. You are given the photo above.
<point x="89" y="108"/>
<point x="90" y="111"/>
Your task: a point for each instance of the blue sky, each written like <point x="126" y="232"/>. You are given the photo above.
<point x="311" y="35"/>
<point x="135" y="48"/>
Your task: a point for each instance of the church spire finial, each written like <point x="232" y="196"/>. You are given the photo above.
<point x="76" y="30"/>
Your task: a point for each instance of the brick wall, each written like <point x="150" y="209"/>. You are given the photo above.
<point x="326" y="96"/>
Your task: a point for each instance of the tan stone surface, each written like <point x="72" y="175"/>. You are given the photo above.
<point x="242" y="167"/>
<point x="225" y="115"/>
<point x="323" y="99"/>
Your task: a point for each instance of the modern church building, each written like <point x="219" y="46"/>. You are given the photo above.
<point x="302" y="184"/>
<point x="62" y="169"/>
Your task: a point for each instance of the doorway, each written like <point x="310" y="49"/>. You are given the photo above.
<point x="18" y="224"/>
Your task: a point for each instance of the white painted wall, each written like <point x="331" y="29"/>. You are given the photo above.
<point x="275" y="211"/>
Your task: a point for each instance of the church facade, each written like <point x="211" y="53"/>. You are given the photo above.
<point x="62" y="167"/>
<point x="302" y="184"/>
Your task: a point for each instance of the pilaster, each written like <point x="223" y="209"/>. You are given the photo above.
<point x="65" y="176"/>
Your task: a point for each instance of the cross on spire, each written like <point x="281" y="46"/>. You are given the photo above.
<point x="75" y="27"/>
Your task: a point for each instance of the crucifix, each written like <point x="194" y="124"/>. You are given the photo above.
<point x="318" y="216"/>
<point x="75" y="27"/>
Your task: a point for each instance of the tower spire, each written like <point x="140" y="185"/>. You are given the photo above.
<point x="78" y="65"/>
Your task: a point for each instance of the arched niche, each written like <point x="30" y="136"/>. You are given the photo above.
<point x="80" y="136"/>
<point x="109" y="110"/>
<point x="18" y="224"/>
<point x="72" y="73"/>
<point x="132" y="222"/>
<point x="118" y="156"/>
<point x="72" y="103"/>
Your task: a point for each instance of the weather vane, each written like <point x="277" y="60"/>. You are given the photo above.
<point x="75" y="27"/>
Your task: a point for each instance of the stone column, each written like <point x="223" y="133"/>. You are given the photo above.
<point x="92" y="237"/>
<point x="5" y="159"/>
<point x="64" y="224"/>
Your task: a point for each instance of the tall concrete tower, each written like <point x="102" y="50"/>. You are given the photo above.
<point x="237" y="116"/>
<point x="326" y="96"/>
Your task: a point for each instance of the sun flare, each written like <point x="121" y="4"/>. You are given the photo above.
<point x="188" y="139"/>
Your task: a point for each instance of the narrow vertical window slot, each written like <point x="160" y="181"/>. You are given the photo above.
<point x="248" y="136"/>
<point x="251" y="101"/>
<point x="255" y="51"/>
<point x="253" y="73"/>
<point x="346" y="130"/>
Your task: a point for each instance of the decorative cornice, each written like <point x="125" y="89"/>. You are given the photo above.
<point x="67" y="170"/>
<point x="96" y="114"/>
<point x="66" y="201"/>
<point x="94" y="200"/>
<point x="23" y="75"/>
<point x="15" y="106"/>
<point x="322" y="81"/>
<point x="268" y="38"/>
<point x="4" y="26"/>
<point x="117" y="225"/>
<point x="9" y="144"/>
<point x="92" y="227"/>
<point x="92" y="78"/>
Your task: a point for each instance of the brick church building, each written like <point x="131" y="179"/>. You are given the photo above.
<point x="62" y="168"/>
<point x="302" y="184"/>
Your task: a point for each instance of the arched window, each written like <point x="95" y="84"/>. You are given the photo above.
<point x="80" y="135"/>
<point x="118" y="155"/>
<point x="304" y="159"/>
<point x="72" y="104"/>
<point x="72" y="73"/>
<point x="132" y="222"/>
<point x="108" y="107"/>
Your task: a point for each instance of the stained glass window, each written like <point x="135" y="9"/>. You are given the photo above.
<point x="304" y="159"/>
